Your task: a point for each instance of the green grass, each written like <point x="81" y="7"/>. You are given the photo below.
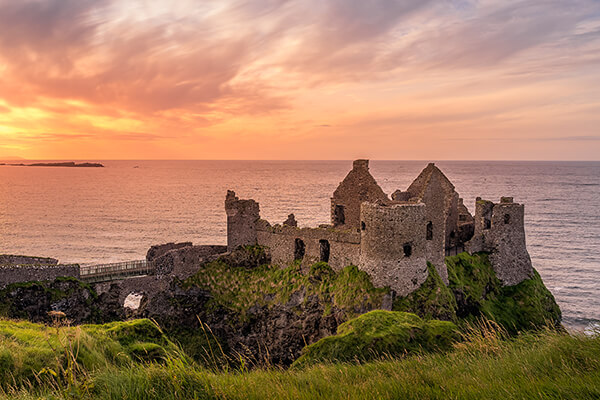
<point x="30" y="352"/>
<point x="544" y="364"/>
<point x="379" y="333"/>
<point x="238" y="289"/>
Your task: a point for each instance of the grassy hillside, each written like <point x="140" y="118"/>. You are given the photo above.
<point x="545" y="364"/>
<point x="31" y="353"/>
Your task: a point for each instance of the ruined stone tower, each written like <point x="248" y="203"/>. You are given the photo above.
<point x="358" y="186"/>
<point x="242" y="216"/>
<point x="500" y="230"/>
<point x="434" y="189"/>
<point x="392" y="245"/>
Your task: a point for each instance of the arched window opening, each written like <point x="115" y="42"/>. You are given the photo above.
<point x="506" y="219"/>
<point x="407" y="249"/>
<point x="363" y="226"/>
<point x="299" y="249"/>
<point x="429" y="235"/>
<point x="324" y="250"/>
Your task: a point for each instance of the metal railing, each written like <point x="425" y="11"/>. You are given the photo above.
<point x="109" y="272"/>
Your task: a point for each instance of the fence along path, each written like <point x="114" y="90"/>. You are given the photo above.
<point x="109" y="272"/>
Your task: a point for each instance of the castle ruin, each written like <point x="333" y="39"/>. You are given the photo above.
<point x="391" y="238"/>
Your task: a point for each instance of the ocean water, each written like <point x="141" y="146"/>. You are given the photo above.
<point x="97" y="215"/>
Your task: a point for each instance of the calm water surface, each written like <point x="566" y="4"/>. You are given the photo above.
<point x="91" y="215"/>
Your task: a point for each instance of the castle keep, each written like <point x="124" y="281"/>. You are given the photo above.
<point x="391" y="238"/>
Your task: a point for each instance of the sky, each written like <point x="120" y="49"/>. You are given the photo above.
<point x="300" y="79"/>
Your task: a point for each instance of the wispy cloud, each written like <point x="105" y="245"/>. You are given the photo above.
<point x="143" y="71"/>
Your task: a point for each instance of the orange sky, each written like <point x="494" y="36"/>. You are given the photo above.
<point x="300" y="79"/>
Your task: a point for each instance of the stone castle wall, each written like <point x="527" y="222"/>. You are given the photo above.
<point x="242" y="216"/>
<point x="283" y="241"/>
<point x="435" y="212"/>
<point x="393" y="248"/>
<point x="7" y="259"/>
<point x="185" y="261"/>
<point x="500" y="230"/>
<point x="25" y="273"/>
<point x="358" y="186"/>
<point x="160" y="249"/>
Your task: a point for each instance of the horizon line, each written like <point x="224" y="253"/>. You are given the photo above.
<point x="19" y="160"/>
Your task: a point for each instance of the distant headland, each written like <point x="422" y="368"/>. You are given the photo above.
<point x="58" y="164"/>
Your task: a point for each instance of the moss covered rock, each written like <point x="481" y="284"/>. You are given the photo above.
<point x="433" y="300"/>
<point x="479" y="293"/>
<point x="380" y="334"/>
<point x="474" y="292"/>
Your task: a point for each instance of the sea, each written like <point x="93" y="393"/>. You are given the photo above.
<point x="112" y="214"/>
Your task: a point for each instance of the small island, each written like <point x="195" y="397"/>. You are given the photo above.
<point x="59" y="164"/>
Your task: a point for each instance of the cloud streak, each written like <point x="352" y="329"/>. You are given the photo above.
<point x="105" y="70"/>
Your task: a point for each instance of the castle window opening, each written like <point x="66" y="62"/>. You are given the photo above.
<point x="363" y="226"/>
<point x="338" y="215"/>
<point x="507" y="218"/>
<point x="452" y="235"/>
<point x="487" y="223"/>
<point x="429" y="235"/>
<point x="324" y="250"/>
<point x="407" y="249"/>
<point x="299" y="249"/>
<point x="462" y="217"/>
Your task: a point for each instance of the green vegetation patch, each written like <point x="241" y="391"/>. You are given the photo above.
<point x="433" y="300"/>
<point x="474" y="292"/>
<point x="31" y="352"/>
<point x="537" y="365"/>
<point x="479" y="293"/>
<point x="379" y="334"/>
<point x="238" y="289"/>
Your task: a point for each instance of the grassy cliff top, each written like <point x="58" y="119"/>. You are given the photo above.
<point x="238" y="289"/>
<point x="474" y="292"/>
<point x="544" y="364"/>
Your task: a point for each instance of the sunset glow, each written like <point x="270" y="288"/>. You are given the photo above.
<point x="300" y="79"/>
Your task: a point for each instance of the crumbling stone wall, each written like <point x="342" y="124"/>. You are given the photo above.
<point x="358" y="186"/>
<point x="435" y="190"/>
<point x="466" y="223"/>
<point x="242" y="216"/>
<point x="160" y="249"/>
<point x="7" y="259"/>
<point x="27" y="273"/>
<point x="500" y="230"/>
<point x="343" y="245"/>
<point x="393" y="248"/>
<point x="184" y="261"/>
<point x="450" y="220"/>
